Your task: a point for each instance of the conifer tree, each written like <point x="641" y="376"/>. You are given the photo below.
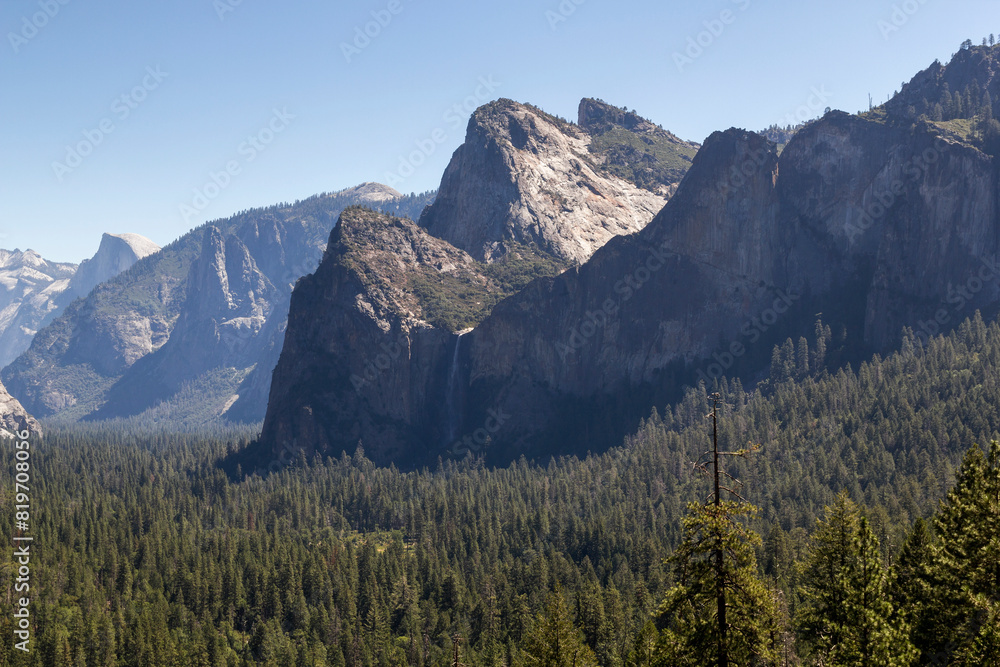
<point x="690" y="611"/>
<point x="967" y="568"/>
<point x="719" y="612"/>
<point x="846" y="615"/>
<point x="912" y="589"/>
<point x="555" y="641"/>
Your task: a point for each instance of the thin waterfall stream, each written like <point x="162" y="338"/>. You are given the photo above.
<point x="453" y="389"/>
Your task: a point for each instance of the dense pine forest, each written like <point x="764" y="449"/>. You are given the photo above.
<point x="863" y="528"/>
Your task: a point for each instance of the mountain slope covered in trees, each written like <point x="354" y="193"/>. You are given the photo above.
<point x="154" y="556"/>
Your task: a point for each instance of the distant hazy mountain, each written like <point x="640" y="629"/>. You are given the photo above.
<point x="34" y="291"/>
<point x="190" y="334"/>
<point x="118" y="252"/>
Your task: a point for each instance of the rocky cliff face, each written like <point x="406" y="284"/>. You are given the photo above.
<point x="361" y="361"/>
<point x="878" y="226"/>
<point x="846" y="223"/>
<point x="525" y="178"/>
<point x="13" y="417"/>
<point x="186" y="337"/>
<point x="34" y="291"/>
<point x="228" y="304"/>
<point x="29" y="290"/>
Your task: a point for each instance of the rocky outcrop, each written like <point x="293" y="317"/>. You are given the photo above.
<point x="524" y="178"/>
<point x="876" y="226"/>
<point x="626" y="145"/>
<point x="971" y="73"/>
<point x="14" y="419"/>
<point x="117" y="253"/>
<point x="361" y="360"/>
<point x="33" y="291"/>
<point x="187" y="336"/>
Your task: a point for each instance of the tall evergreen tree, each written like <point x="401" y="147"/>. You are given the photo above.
<point x="555" y="641"/>
<point x="967" y="568"/>
<point x="846" y="614"/>
<point x="689" y="613"/>
<point x="912" y="590"/>
<point x="720" y="612"/>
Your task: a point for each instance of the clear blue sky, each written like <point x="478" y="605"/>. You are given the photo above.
<point x="220" y="80"/>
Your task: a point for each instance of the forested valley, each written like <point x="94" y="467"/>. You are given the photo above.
<point x="864" y="530"/>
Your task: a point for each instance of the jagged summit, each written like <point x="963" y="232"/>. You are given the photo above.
<point x="26" y="258"/>
<point x="526" y="178"/>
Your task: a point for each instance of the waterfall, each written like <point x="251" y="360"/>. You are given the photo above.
<point x="451" y="397"/>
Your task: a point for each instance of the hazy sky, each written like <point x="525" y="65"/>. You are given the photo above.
<point x="152" y="117"/>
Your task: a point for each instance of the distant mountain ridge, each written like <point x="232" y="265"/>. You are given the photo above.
<point x="34" y="291"/>
<point x="189" y="335"/>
